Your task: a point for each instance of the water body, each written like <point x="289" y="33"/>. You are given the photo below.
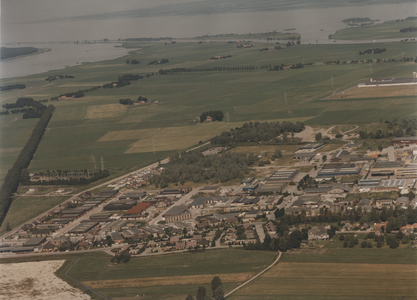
<point x="314" y="25"/>
<point x="60" y="56"/>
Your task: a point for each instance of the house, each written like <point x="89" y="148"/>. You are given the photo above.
<point x="48" y="247"/>
<point x="318" y="233"/>
<point x="197" y="237"/>
<point x="180" y="245"/>
<point x="408" y="229"/>
<point x="381" y="202"/>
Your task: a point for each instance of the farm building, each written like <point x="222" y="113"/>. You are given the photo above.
<point x="282" y="176"/>
<point x="404" y="141"/>
<point x="390" y="81"/>
<point x="305" y="156"/>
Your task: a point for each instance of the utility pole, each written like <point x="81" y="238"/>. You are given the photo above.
<point x="102" y="164"/>
<point x="153" y="145"/>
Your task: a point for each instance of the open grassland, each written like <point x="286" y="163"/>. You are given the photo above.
<point x="144" y="272"/>
<point x="84" y="129"/>
<point x="26" y="208"/>
<point x="288" y="35"/>
<point x="386" y="30"/>
<point x="311" y="281"/>
<point x="376" y="92"/>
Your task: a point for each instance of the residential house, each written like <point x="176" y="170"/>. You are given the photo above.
<point x="318" y="233"/>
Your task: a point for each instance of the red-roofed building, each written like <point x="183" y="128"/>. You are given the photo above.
<point x="139" y="208"/>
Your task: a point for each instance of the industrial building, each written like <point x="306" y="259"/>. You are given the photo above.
<point x="312" y="146"/>
<point x="282" y="176"/>
<point x="177" y="213"/>
<point x="411" y="140"/>
<point x="332" y="170"/>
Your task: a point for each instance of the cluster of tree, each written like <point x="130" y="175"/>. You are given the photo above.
<point x="206" y="70"/>
<point x="284" y="67"/>
<point x="77" y="94"/>
<point x="13" y="52"/>
<point x="132" y="62"/>
<point x="405" y="59"/>
<point x="67" y="180"/>
<point x="123" y="80"/>
<point x="55" y="77"/>
<point x="19" y="86"/>
<point x="216" y="115"/>
<point x="194" y="166"/>
<point x="221" y="57"/>
<point x="399" y="129"/>
<point x="408" y="29"/>
<point x="256" y="132"/>
<point x="146" y="39"/>
<point x="159" y="62"/>
<point x="11" y="181"/>
<point x="126" y="102"/>
<point x="122" y="257"/>
<point x="306" y="181"/>
<point x="291" y="43"/>
<point x="35" y="108"/>
<point x="140" y="98"/>
<point x="373" y="51"/>
<point x="216" y="288"/>
<point x="246" y="45"/>
<point x="275" y="48"/>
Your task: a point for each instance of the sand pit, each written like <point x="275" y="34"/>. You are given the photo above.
<point x="35" y="281"/>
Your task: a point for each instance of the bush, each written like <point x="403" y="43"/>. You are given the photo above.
<point x="363" y="244"/>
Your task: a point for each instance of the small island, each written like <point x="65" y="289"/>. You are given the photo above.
<point x="7" y="53"/>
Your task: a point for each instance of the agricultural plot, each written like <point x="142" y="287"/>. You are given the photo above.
<point x="375" y="92"/>
<point x="169" y="276"/>
<point x="84" y="129"/>
<point x="310" y="281"/>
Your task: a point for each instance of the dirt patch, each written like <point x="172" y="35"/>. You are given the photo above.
<point x="322" y="251"/>
<point x="36" y="281"/>
<point x="375" y="92"/>
<point x="160" y="281"/>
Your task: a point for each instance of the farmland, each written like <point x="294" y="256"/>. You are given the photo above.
<point x="84" y="129"/>
<point x="144" y="275"/>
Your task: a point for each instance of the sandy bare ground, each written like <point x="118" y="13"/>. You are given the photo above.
<point x="160" y="281"/>
<point x="308" y="134"/>
<point x="36" y="281"/>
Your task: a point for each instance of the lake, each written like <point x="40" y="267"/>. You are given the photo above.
<point x="314" y="25"/>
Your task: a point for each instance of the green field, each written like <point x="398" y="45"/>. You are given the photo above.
<point x="79" y="130"/>
<point x="386" y="30"/>
<point x="214" y="262"/>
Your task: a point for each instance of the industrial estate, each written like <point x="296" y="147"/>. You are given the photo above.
<point x="203" y="166"/>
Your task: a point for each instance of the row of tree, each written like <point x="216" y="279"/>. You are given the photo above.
<point x="35" y="108"/>
<point x="123" y="80"/>
<point x="19" y="86"/>
<point x="408" y="29"/>
<point x="25" y="179"/>
<point x="55" y="77"/>
<point x="256" y="132"/>
<point x="206" y="70"/>
<point x="399" y="129"/>
<point x="12" y="179"/>
<point x="126" y="102"/>
<point x="194" y="166"/>
<point x="159" y="62"/>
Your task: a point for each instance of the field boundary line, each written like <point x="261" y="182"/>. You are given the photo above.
<point x="80" y="282"/>
<point x="254" y="277"/>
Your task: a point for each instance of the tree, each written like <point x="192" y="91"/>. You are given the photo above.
<point x="219" y="293"/>
<point x="345" y="244"/>
<point x="8" y="228"/>
<point x="215" y="283"/>
<point x="189" y="297"/>
<point x="318" y="137"/>
<point x="363" y="244"/>
<point x="201" y="293"/>
<point x="324" y="157"/>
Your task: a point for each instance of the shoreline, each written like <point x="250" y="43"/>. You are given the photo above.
<point x="40" y="51"/>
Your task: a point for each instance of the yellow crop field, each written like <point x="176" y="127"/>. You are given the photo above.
<point x="105" y="111"/>
<point x="333" y="281"/>
<point x="160" y="281"/>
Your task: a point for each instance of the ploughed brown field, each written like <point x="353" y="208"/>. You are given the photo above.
<point x="160" y="281"/>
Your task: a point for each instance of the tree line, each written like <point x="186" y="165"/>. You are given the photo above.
<point x="35" y="108"/>
<point x="159" y="62"/>
<point x="13" y="52"/>
<point x="25" y="179"/>
<point x="399" y="129"/>
<point x="12" y="179"/>
<point x="408" y="29"/>
<point x="194" y="166"/>
<point x="173" y="71"/>
<point x="122" y="81"/>
<point x="55" y="77"/>
<point x="19" y="86"/>
<point x="216" y="115"/>
<point x="256" y="132"/>
<point x="373" y="51"/>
